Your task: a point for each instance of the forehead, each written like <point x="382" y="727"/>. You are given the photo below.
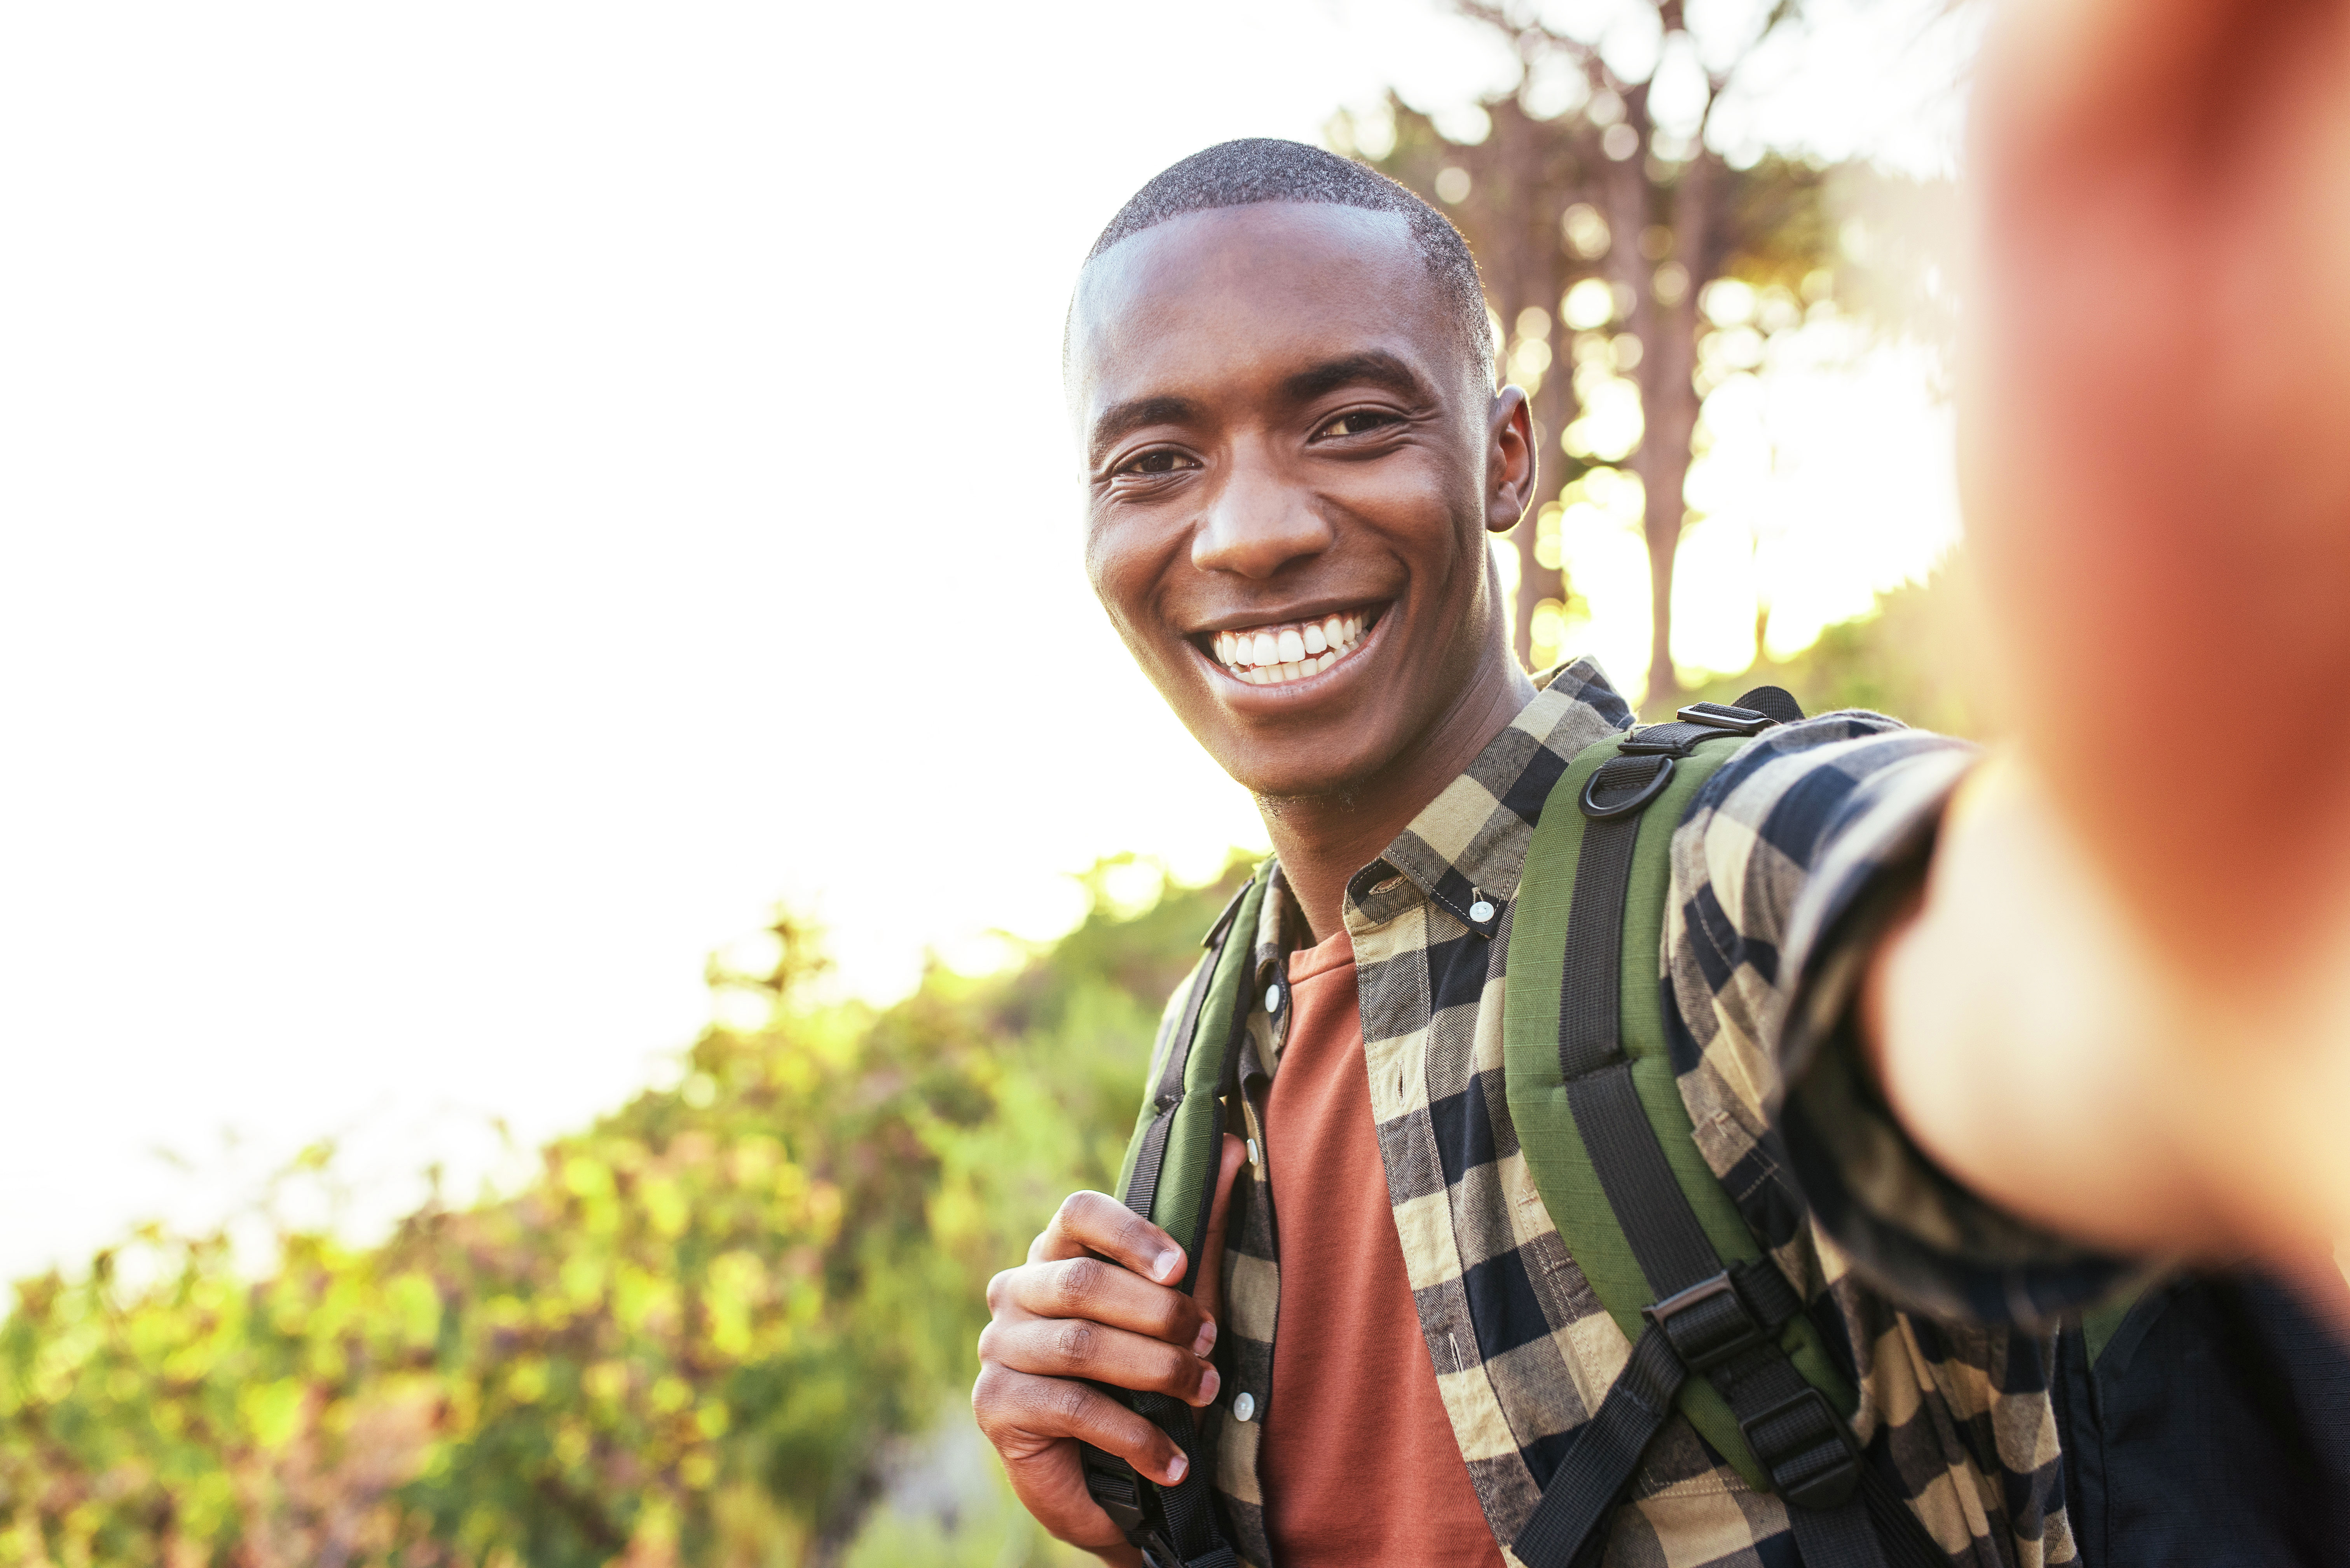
<point x="1212" y="303"/>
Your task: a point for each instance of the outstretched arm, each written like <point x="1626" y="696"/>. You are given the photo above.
<point x="2123" y="1007"/>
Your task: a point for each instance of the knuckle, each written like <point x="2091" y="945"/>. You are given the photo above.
<point x="1071" y="1403"/>
<point x="1170" y="1317"/>
<point x="990" y="1343"/>
<point x="1082" y="1281"/>
<point x="999" y="1290"/>
<point x="1074" y="1343"/>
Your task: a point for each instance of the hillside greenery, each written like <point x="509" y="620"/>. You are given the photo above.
<point x="713" y="1327"/>
<point x="698" y="1336"/>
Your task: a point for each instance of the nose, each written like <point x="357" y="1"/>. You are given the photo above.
<point x="1257" y="523"/>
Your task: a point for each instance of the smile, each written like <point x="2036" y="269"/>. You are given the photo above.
<point x="1283" y="651"/>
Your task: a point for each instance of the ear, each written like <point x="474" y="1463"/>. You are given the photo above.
<point x="1509" y="461"/>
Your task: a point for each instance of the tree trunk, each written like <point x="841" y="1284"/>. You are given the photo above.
<point x="1668" y="399"/>
<point x="1554" y="407"/>
<point x="1525" y="182"/>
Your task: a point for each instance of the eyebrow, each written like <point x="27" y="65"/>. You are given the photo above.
<point x="1373" y="366"/>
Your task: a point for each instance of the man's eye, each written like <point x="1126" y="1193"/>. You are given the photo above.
<point x="1160" y="462"/>
<point x="1357" y="422"/>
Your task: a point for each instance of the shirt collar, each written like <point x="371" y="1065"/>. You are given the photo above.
<point x="1471" y="839"/>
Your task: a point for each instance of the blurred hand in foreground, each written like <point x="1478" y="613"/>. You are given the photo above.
<point x="2157" y="490"/>
<point x="1096" y="1300"/>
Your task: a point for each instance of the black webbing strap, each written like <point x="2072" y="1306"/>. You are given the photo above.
<point x="1605" y="1453"/>
<point x="1174" y="1526"/>
<point x="1722" y="1321"/>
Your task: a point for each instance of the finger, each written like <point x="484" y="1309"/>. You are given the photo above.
<point x="1096" y="1222"/>
<point x="1018" y="1410"/>
<point x="1070" y="1347"/>
<point x="1208" y="1291"/>
<point x="1094" y="1290"/>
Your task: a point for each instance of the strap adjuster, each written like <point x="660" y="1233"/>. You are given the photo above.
<point x="1810" y="1451"/>
<point x="1709" y="1322"/>
<point x="1114" y="1485"/>
<point x="1723" y="716"/>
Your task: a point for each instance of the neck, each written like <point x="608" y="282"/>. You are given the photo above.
<point x="1324" y="839"/>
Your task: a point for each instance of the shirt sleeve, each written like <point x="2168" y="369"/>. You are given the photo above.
<point x="1786" y="871"/>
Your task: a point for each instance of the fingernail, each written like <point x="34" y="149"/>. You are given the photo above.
<point x="1168" y="1264"/>
<point x="1209" y="1384"/>
<point x="1175" y="1468"/>
<point x="1207" y="1340"/>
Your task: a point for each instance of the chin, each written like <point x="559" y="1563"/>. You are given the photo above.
<point x="1323" y="777"/>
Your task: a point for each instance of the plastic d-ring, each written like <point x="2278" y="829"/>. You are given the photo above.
<point x="1646" y="793"/>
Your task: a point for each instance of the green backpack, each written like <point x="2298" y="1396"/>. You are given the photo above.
<point x="1608" y="1142"/>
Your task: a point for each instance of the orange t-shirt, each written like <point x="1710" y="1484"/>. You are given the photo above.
<point x="1359" y="1465"/>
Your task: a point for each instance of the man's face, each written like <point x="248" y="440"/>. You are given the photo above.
<point x="1291" y="468"/>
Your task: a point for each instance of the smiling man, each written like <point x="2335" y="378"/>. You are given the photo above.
<point x="1280" y="367"/>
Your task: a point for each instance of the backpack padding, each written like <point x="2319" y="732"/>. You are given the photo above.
<point x="1555" y="1155"/>
<point x="1178" y="1195"/>
<point x="1169" y="1174"/>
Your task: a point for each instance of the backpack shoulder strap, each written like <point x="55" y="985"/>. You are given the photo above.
<point x="1169" y="1177"/>
<point x="1609" y="1143"/>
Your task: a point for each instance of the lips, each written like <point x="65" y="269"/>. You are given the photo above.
<point x="1279" y="652"/>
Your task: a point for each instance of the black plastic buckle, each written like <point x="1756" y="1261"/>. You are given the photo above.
<point x="1815" y="1462"/>
<point x="1648" y="742"/>
<point x="1709" y="1322"/>
<point x="1723" y="716"/>
<point x="1114" y="1485"/>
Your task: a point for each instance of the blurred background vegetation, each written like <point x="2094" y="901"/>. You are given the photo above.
<point x="732" y="1323"/>
<point x="704" y="1335"/>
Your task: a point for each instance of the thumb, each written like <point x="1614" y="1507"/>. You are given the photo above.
<point x="1208" y="1291"/>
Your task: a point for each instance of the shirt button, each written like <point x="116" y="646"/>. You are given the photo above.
<point x="1243" y="1405"/>
<point x="1253" y="1156"/>
<point x="1481" y="911"/>
<point x="1272" y="997"/>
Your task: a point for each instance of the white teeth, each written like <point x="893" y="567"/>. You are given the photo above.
<point x="1272" y="656"/>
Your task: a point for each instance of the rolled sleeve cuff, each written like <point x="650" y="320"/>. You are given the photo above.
<point x="1902" y="1220"/>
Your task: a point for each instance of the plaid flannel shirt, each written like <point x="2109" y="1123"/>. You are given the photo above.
<point x="1778" y="872"/>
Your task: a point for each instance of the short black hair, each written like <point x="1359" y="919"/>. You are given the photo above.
<point x="1265" y="168"/>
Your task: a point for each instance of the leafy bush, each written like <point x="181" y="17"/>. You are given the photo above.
<point x="692" y="1338"/>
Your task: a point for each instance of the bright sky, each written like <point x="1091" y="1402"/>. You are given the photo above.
<point x="494" y="496"/>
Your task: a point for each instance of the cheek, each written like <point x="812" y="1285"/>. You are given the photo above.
<point x="1421" y="513"/>
<point x="1124" y="565"/>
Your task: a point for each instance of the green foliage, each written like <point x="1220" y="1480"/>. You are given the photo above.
<point x="692" y="1338"/>
<point x="1907" y="657"/>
